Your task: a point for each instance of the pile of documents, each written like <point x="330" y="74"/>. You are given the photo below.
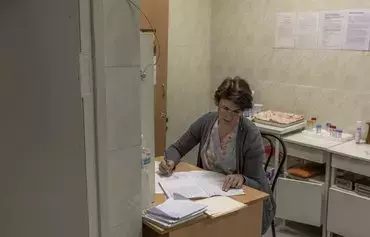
<point x="180" y="187"/>
<point x="196" y="184"/>
<point x="174" y="212"/>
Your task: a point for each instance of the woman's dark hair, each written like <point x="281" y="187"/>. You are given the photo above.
<point x="236" y="90"/>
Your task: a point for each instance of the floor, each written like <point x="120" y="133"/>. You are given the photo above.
<point x="295" y="230"/>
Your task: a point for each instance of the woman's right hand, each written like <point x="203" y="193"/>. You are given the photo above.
<point x="166" y="167"/>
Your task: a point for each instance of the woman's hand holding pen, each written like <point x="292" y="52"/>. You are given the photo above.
<point x="166" y="167"/>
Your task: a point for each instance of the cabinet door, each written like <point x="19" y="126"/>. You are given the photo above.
<point x="157" y="12"/>
<point x="149" y="8"/>
<point x="348" y="213"/>
<point x="299" y="201"/>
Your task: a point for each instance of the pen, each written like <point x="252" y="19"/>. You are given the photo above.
<point x="165" y="156"/>
<point x="165" y="159"/>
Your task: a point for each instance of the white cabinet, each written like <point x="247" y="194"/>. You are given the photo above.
<point x="299" y="201"/>
<point x="306" y="153"/>
<point x="348" y="213"/>
<point x="354" y="165"/>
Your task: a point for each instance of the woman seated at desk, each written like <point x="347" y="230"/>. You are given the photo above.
<point x="229" y="144"/>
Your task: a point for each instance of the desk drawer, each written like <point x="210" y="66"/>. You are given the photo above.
<point x="299" y="201"/>
<point x="348" y="213"/>
<point x="349" y="164"/>
<point x="306" y="153"/>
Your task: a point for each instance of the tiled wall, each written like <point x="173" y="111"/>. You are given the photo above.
<point x="188" y="84"/>
<point x="122" y="70"/>
<point x="333" y="85"/>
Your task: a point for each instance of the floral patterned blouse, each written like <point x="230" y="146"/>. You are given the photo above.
<point x="218" y="154"/>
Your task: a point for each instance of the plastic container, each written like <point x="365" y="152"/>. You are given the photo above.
<point x="358" y="132"/>
<point x="332" y="130"/>
<point x="318" y="129"/>
<point x="339" y="134"/>
<point x="256" y="109"/>
<point x="327" y="128"/>
<point x="309" y="126"/>
<point x="314" y="121"/>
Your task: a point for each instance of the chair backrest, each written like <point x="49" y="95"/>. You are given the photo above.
<point x="271" y="141"/>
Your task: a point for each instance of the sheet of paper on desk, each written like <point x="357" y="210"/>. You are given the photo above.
<point x="185" y="187"/>
<point x="197" y="184"/>
<point x="217" y="206"/>
<point x="212" y="182"/>
<point x="174" y="176"/>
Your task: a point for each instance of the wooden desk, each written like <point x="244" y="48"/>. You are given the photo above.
<point x="246" y="222"/>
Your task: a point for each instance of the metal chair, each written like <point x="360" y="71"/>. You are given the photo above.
<point x="271" y="138"/>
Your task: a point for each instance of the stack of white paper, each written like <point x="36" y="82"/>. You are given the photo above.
<point x="173" y="212"/>
<point x="197" y="184"/>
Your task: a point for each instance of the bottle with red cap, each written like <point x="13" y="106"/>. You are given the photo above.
<point x="314" y="121"/>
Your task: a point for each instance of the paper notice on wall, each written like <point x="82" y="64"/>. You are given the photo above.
<point x="284" y="34"/>
<point x="358" y="30"/>
<point x="332" y="29"/>
<point x="307" y="30"/>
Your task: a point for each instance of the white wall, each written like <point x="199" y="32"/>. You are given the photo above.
<point x="331" y="85"/>
<point x="122" y="71"/>
<point x="188" y="83"/>
<point x="43" y="189"/>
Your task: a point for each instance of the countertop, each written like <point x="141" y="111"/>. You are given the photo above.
<point x="352" y="150"/>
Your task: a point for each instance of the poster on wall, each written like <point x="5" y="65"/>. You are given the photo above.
<point x="307" y="30"/>
<point x="332" y="29"/>
<point x="358" y="30"/>
<point x="284" y="33"/>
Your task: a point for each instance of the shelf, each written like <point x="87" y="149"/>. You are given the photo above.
<point x="350" y="192"/>
<point x="316" y="180"/>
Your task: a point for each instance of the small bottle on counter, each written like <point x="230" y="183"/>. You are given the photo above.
<point x="333" y="130"/>
<point x="358" y="132"/>
<point x="309" y="126"/>
<point x="327" y="128"/>
<point x="314" y="121"/>
<point x="339" y="134"/>
<point x="318" y="129"/>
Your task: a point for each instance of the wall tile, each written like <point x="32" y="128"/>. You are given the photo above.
<point x="189" y="60"/>
<point x="123" y="107"/>
<point x="190" y="72"/>
<point x="189" y="22"/>
<point x="354" y="70"/>
<point x="122" y="33"/>
<point x="124" y="190"/>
